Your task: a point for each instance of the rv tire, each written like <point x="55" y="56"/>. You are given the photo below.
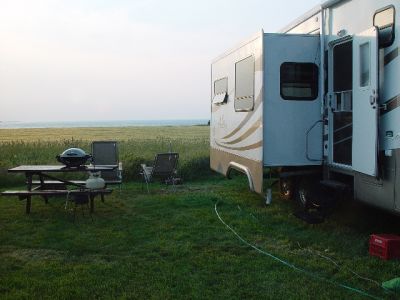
<point x="287" y="188"/>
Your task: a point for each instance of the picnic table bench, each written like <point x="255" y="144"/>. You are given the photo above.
<point x="74" y="182"/>
<point x="49" y="185"/>
<point x="24" y="194"/>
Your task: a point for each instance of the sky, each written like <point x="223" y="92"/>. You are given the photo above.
<point x="88" y="60"/>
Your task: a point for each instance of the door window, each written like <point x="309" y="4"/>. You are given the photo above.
<point x="365" y="59"/>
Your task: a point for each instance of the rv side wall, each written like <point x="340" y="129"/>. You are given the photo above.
<point x="236" y="136"/>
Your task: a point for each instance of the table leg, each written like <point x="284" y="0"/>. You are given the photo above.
<point x="28" y="198"/>
<point x="28" y="205"/>
<point x="46" y="199"/>
<point x="29" y="181"/>
<point x="91" y="203"/>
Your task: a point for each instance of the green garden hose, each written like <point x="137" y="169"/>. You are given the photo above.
<point x="292" y="266"/>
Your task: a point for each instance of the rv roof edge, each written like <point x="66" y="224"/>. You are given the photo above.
<point x="242" y="169"/>
<point x="240" y="45"/>
<point x="309" y="14"/>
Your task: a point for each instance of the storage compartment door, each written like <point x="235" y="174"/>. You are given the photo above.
<point x="365" y="102"/>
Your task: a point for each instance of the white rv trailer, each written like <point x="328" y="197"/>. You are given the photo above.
<point x="319" y="98"/>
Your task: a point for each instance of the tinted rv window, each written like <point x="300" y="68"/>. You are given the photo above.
<point x="244" y="84"/>
<point x="299" y="81"/>
<point x="384" y="19"/>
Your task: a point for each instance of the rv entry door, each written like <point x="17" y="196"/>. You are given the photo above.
<point x="365" y="102"/>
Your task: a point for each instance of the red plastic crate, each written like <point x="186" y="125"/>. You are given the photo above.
<point x="385" y="246"/>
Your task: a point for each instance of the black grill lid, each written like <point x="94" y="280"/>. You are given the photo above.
<point x="73" y="152"/>
<point x="73" y="157"/>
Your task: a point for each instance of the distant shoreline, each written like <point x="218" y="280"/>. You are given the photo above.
<point x="102" y="124"/>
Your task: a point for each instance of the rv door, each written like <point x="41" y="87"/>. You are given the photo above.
<point x="365" y="102"/>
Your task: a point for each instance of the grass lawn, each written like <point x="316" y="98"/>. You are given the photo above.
<point x="171" y="244"/>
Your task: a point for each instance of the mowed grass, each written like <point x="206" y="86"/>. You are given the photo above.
<point x="170" y="244"/>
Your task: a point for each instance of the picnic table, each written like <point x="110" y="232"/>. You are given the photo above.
<point x="50" y="183"/>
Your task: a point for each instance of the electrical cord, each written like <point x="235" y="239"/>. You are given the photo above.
<point x="343" y="267"/>
<point x="292" y="266"/>
<point x="335" y="263"/>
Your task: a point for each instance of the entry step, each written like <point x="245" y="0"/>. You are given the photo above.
<point x="337" y="185"/>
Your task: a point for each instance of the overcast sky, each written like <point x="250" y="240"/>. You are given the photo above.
<point x="122" y="59"/>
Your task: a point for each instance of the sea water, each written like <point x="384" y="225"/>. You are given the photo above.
<point x="125" y="123"/>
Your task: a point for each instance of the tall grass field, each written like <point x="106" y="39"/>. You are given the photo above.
<point x="136" y="145"/>
<point x="209" y="238"/>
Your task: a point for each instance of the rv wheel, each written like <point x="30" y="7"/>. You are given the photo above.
<point x="286" y="188"/>
<point x="306" y="195"/>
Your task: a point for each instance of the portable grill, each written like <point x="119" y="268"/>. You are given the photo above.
<point x="73" y="157"/>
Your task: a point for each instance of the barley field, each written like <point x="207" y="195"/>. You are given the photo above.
<point x="136" y="145"/>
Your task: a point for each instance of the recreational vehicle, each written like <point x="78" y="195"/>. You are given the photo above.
<point x="318" y="101"/>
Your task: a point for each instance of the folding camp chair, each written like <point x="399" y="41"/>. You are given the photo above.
<point x="164" y="167"/>
<point x="106" y="153"/>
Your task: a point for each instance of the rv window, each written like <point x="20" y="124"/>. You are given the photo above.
<point x="244" y="84"/>
<point x="384" y="19"/>
<point x="220" y="90"/>
<point x="221" y="86"/>
<point x="299" y="81"/>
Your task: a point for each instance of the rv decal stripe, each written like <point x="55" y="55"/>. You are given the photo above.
<point x="245" y="148"/>
<point x="247" y="133"/>
<point x="248" y="117"/>
<point x="244" y="98"/>
<point x="390" y="105"/>
<point x="391" y="56"/>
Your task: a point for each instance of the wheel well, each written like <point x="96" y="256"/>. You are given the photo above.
<point x="242" y="169"/>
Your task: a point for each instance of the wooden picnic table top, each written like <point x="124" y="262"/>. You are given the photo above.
<point x="60" y="168"/>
